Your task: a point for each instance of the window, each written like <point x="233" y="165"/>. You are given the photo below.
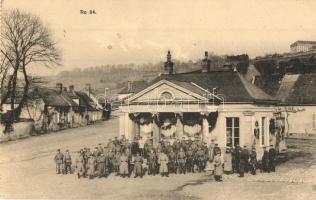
<point x="263" y="130"/>
<point x="166" y="96"/>
<point x="232" y="131"/>
<point x="314" y="120"/>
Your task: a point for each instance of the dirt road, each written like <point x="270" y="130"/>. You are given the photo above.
<point x="27" y="170"/>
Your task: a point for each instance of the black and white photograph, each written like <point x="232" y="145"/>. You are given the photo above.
<point x="158" y="99"/>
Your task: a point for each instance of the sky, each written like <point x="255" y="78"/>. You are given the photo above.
<point x="141" y="31"/>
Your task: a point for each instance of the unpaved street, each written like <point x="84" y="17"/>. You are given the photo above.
<point x="27" y="170"/>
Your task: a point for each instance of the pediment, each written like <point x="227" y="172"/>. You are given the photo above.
<point x="165" y="90"/>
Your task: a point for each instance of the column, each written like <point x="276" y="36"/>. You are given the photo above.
<point x="205" y="133"/>
<point x="156" y="134"/>
<point x="128" y="127"/>
<point x="179" y="126"/>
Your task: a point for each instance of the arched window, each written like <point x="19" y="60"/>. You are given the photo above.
<point x="166" y="96"/>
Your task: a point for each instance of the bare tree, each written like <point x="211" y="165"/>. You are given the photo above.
<point x="25" y="40"/>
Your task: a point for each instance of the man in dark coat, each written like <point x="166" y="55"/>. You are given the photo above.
<point x="190" y="160"/>
<point x="243" y="163"/>
<point x="172" y="165"/>
<point x="152" y="163"/>
<point x="265" y="160"/>
<point x="253" y="161"/>
<point x="138" y="161"/>
<point x="134" y="146"/>
<point x="181" y="159"/>
<point x="272" y="158"/>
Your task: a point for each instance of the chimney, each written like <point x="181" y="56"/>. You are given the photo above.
<point x="206" y="63"/>
<point x="168" y="68"/>
<point x="71" y="88"/>
<point x="59" y="87"/>
<point x="129" y="86"/>
<point x="88" y="88"/>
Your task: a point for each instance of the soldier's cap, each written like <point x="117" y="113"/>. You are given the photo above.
<point x="216" y="144"/>
<point x="58" y="149"/>
<point x="99" y="143"/>
<point x="67" y="150"/>
<point x="271" y="145"/>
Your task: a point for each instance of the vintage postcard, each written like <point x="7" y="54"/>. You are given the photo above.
<point x="158" y="99"/>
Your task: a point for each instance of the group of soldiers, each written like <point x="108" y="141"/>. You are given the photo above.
<point x="124" y="158"/>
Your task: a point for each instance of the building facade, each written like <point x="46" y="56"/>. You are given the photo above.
<point x="205" y="104"/>
<point x="302" y="46"/>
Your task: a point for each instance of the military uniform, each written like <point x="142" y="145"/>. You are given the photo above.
<point x="101" y="163"/>
<point x="67" y="162"/>
<point x="91" y="166"/>
<point x="172" y="165"/>
<point x="163" y="162"/>
<point x="228" y="168"/>
<point x="123" y="165"/>
<point x="80" y="165"/>
<point x="200" y="158"/>
<point x="138" y="161"/>
<point x="190" y="160"/>
<point x="181" y="158"/>
<point x="152" y="163"/>
<point x="59" y="160"/>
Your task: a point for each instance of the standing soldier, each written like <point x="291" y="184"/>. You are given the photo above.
<point x="138" y="161"/>
<point x="163" y="162"/>
<point x="100" y="149"/>
<point x="111" y="157"/>
<point x="237" y="151"/>
<point x="172" y="162"/>
<point x="244" y="157"/>
<point x="123" y="167"/>
<point x="190" y="160"/>
<point x="101" y="160"/>
<point x="216" y="149"/>
<point x="272" y="158"/>
<point x="181" y="159"/>
<point x="200" y="159"/>
<point x="117" y="162"/>
<point x="152" y="163"/>
<point x="80" y="164"/>
<point x="253" y="161"/>
<point x="59" y="159"/>
<point x="218" y="172"/>
<point x="91" y="166"/>
<point x="67" y="162"/>
<point x="228" y="168"/>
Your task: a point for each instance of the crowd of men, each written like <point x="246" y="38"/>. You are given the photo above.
<point x="182" y="156"/>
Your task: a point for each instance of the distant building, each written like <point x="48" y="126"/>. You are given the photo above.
<point x="302" y="46"/>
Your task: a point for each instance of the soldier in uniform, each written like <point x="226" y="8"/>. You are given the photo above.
<point x="100" y="149"/>
<point x="111" y="159"/>
<point x="59" y="160"/>
<point x="172" y="162"/>
<point x="216" y="150"/>
<point x="253" y="161"/>
<point x="200" y="159"/>
<point x="163" y="162"/>
<point x="152" y="162"/>
<point x="138" y="161"/>
<point x="111" y="144"/>
<point x="80" y="164"/>
<point x="181" y="160"/>
<point x="190" y="160"/>
<point x="236" y="158"/>
<point x="123" y="167"/>
<point x="272" y="158"/>
<point x="91" y="166"/>
<point x="67" y="162"/>
<point x="244" y="157"/>
<point x="117" y="161"/>
<point x="134" y="146"/>
<point x="101" y="161"/>
<point x="176" y="145"/>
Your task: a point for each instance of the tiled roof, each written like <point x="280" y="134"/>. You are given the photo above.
<point x="86" y="101"/>
<point x="230" y="85"/>
<point x="136" y="86"/>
